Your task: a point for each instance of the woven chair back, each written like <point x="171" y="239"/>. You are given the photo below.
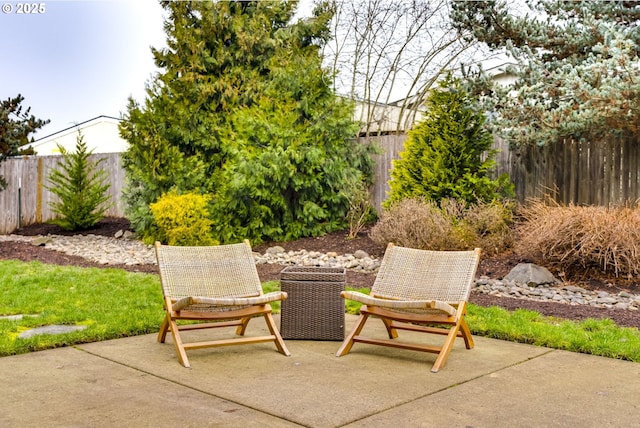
<point x="412" y="274"/>
<point x="212" y="271"/>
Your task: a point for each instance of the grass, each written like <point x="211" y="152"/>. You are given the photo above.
<point x="113" y="303"/>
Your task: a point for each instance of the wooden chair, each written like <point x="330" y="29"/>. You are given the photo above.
<point x="218" y="284"/>
<point x="418" y="290"/>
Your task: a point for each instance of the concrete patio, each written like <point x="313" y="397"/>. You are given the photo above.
<point x="138" y="382"/>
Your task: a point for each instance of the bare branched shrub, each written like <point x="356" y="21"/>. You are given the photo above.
<point x="491" y="225"/>
<point x="414" y="223"/>
<point x="420" y="223"/>
<point x="360" y="208"/>
<point x="582" y="236"/>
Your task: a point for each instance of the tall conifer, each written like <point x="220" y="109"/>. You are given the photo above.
<point x="243" y="111"/>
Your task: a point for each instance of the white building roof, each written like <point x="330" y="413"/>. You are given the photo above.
<point x="100" y="134"/>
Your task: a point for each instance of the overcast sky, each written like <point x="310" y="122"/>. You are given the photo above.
<point x="78" y="59"/>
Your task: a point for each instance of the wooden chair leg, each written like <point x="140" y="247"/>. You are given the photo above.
<point x="392" y="332"/>
<point x="446" y="348"/>
<point x="177" y="343"/>
<point x="164" y="327"/>
<point x="348" y="341"/>
<point x="466" y="334"/>
<point x="282" y="348"/>
<point x="243" y="326"/>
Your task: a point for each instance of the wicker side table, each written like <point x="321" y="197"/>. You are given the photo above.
<point x="314" y="309"/>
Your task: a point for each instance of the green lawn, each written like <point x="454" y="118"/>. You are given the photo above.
<point x="114" y="303"/>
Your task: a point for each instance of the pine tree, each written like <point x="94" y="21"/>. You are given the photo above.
<point x="577" y="67"/>
<point x="443" y="154"/>
<point x="243" y="111"/>
<point x="15" y="127"/>
<point x="80" y="186"/>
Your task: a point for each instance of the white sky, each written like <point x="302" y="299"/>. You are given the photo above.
<point x="80" y="58"/>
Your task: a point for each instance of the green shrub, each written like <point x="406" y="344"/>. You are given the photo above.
<point x="421" y="223"/>
<point x="238" y="120"/>
<point x="183" y="219"/>
<point x="447" y="154"/>
<point x="579" y="237"/>
<point x="80" y="187"/>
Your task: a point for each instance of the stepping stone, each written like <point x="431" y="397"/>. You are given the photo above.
<point x="16" y="317"/>
<point x="51" y="329"/>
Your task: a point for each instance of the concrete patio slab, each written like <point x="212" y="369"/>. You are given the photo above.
<point x="313" y="387"/>
<point x="557" y="389"/>
<point x="138" y="382"/>
<point x="68" y="387"/>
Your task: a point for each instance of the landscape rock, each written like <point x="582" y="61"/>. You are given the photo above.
<point x="531" y="275"/>
<point x="41" y="241"/>
<point x="275" y="250"/>
<point x="359" y="254"/>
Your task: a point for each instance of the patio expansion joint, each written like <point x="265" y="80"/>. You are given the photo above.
<point x="185" y="385"/>
<point x="446" y="388"/>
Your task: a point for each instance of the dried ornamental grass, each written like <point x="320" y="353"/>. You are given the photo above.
<point x="583" y="236"/>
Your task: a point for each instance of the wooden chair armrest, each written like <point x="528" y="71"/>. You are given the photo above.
<point x="398" y="304"/>
<point x="229" y="301"/>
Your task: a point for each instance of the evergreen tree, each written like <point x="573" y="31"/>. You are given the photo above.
<point x="80" y="187"/>
<point x="15" y="127"/>
<point x="577" y="67"/>
<point x="443" y="154"/>
<point x="243" y="111"/>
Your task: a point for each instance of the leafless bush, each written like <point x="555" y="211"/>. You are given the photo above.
<point x="360" y="208"/>
<point x="490" y="225"/>
<point x="582" y="236"/>
<point x="419" y="223"/>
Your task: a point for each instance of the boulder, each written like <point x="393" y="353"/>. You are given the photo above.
<point x="41" y="241"/>
<point x="531" y="275"/>
<point x="360" y="254"/>
<point x="275" y="250"/>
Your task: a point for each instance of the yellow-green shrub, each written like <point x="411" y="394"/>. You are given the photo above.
<point x="183" y="219"/>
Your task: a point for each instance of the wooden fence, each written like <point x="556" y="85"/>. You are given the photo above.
<point x="390" y="147"/>
<point x="26" y="199"/>
<point x="603" y="173"/>
<point x="583" y="173"/>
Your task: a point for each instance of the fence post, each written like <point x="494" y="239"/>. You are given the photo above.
<point x="19" y="202"/>
<point x="39" y="191"/>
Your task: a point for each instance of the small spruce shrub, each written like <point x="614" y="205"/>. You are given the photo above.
<point x="581" y="237"/>
<point x="452" y="225"/>
<point x="448" y="153"/>
<point x="81" y="187"/>
<point x="183" y="219"/>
